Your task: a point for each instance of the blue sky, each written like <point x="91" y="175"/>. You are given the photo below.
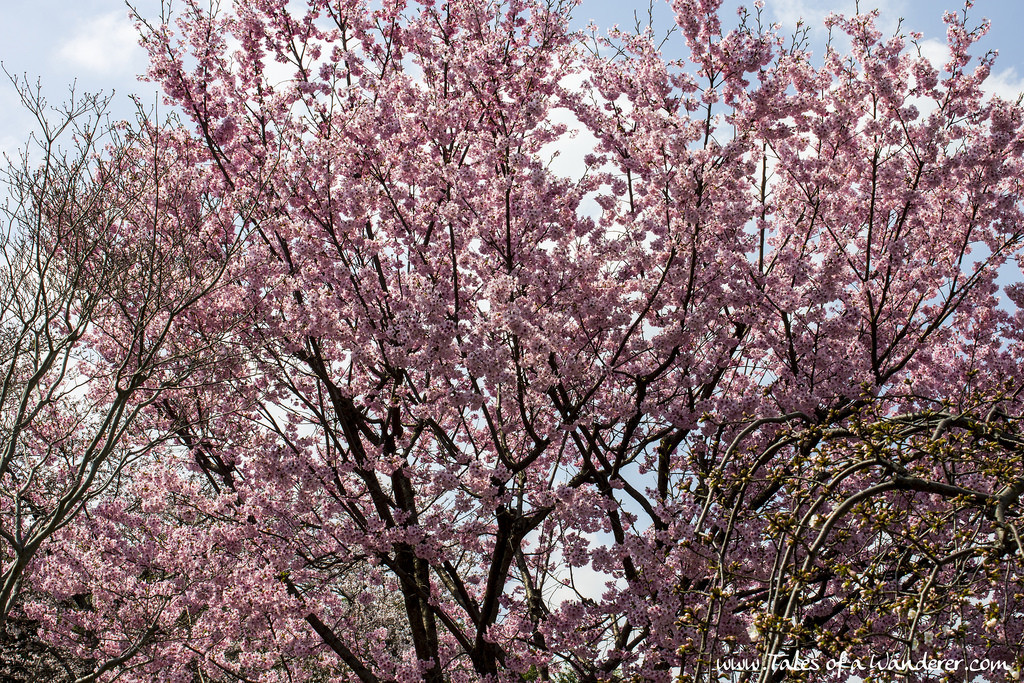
<point x="94" y="43"/>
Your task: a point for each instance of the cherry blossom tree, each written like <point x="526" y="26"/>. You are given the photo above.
<point x="743" y="388"/>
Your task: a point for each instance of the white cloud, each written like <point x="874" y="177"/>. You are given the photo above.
<point x="106" y="45"/>
<point x="789" y="12"/>
<point x="935" y="51"/>
<point x="1007" y="84"/>
<point x="567" y="152"/>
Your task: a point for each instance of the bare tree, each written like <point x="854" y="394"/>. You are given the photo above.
<point x="97" y="269"/>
